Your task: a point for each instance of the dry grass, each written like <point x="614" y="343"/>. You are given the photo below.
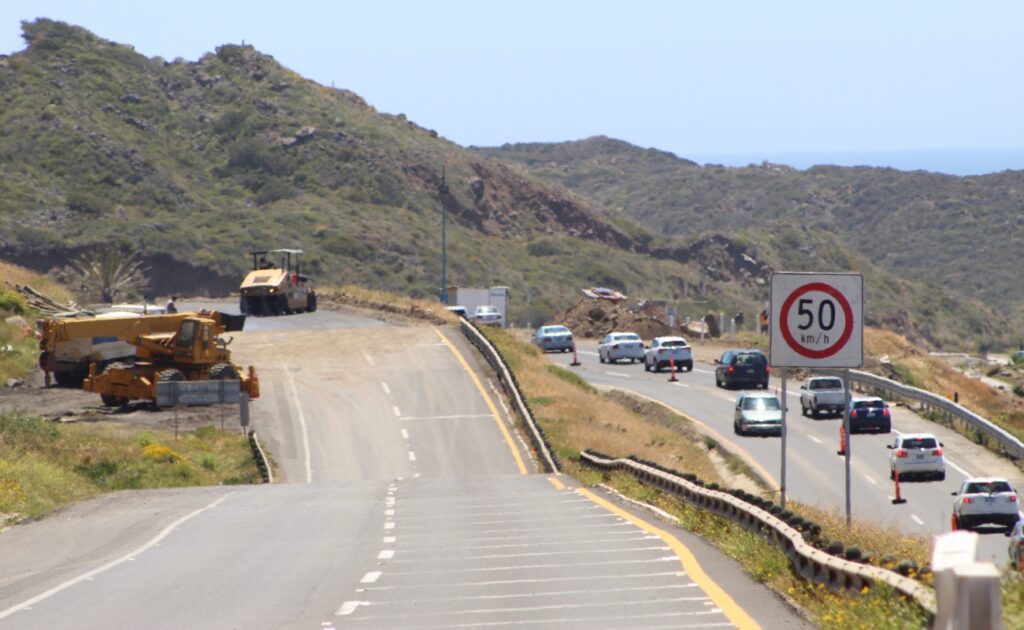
<point x="13" y="274"/>
<point x="576" y="417"/>
<point x="350" y="295"/>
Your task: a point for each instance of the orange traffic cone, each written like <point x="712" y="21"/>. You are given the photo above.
<point x="575" y="356"/>
<point x="672" y="366"/>
<point x="842" y="440"/>
<point x="896" y="479"/>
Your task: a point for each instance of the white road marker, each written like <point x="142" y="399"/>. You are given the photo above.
<point x="389" y="512"/>
<point x="368" y="358"/>
<point x="389" y="525"/>
<point x="871" y="481"/>
<point x="387" y="390"/>
<point x="302" y="424"/>
<point x="914" y="518"/>
<point x="619" y="374"/>
<point x="405" y="434"/>
<point x="27" y="604"/>
<point x="815" y="439"/>
<point x="370" y="577"/>
<point x="389" y="540"/>
<point x="963" y="471"/>
<point x="699" y="371"/>
<point x="398" y="412"/>
<point x="350" y="607"/>
<point x="387" y="554"/>
<point x="412" y="456"/>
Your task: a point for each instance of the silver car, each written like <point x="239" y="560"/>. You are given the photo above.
<point x="552" y="338"/>
<point x="757" y="412"/>
<point x="666" y="350"/>
<point x="620" y="345"/>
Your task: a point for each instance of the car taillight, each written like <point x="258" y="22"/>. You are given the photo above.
<point x="853" y="414"/>
<point x="901" y="453"/>
<point x="731" y="369"/>
<point x="767" y="369"/>
<point x="615" y="346"/>
<point x="968" y="500"/>
<point x="547" y="339"/>
<point x="885" y="412"/>
<point x="1013" y="498"/>
<point x="937" y="451"/>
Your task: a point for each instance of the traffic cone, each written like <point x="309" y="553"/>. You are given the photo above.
<point x="672" y="366"/>
<point x="575" y="356"/>
<point x="842" y="440"/>
<point x="896" y="480"/>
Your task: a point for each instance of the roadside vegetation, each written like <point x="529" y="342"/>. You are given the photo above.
<point x="575" y="417"/>
<point x="45" y="465"/>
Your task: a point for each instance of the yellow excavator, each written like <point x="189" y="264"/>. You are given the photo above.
<point x="276" y="284"/>
<point x="195" y="351"/>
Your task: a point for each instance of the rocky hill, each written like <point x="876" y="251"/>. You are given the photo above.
<point x="190" y="164"/>
<point x="955" y="233"/>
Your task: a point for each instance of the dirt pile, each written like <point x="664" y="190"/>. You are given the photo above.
<point x="590" y="319"/>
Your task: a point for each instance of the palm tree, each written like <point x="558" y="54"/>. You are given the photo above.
<point x="109" y="274"/>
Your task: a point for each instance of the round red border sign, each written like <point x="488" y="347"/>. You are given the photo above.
<point x="788" y="336"/>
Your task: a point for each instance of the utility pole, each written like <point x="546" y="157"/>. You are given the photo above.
<point x="442" y="192"/>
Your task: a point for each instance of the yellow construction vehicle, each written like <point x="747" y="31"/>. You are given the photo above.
<point x="276" y="285"/>
<point x="194" y="352"/>
<point x="69" y="345"/>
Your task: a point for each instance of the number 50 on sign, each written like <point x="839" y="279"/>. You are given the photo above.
<point x="817" y="320"/>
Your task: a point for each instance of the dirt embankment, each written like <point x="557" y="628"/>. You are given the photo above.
<point x="591" y="319"/>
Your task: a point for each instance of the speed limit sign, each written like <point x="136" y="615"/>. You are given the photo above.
<point x="817" y="320"/>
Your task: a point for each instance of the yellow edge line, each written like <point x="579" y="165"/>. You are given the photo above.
<point x="556" y="483"/>
<point x="732" y="446"/>
<point x="487" y="399"/>
<point x="725" y="603"/>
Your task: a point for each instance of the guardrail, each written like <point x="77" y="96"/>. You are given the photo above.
<point x="511" y="386"/>
<point x="1007" y="442"/>
<point x="810" y="562"/>
<point x="261" y="459"/>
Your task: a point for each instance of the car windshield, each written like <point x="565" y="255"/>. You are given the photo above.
<point x="924" y="442"/>
<point x="674" y="343"/>
<point x="626" y="337"/>
<point x="749" y="358"/>
<point x="486" y="310"/>
<point x="554" y="330"/>
<point x="827" y="383"/>
<point x="761" y="404"/>
<point x="988" y="487"/>
<point x="868" y="404"/>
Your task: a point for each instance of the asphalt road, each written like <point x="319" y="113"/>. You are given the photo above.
<point x="404" y="503"/>
<point x="815" y="473"/>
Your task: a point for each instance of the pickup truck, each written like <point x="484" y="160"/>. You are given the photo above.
<point x="822" y="393"/>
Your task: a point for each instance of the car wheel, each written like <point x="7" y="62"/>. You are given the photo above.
<point x="892" y="474"/>
<point x="647" y="367"/>
<point x="941" y="476"/>
<point x="887" y="428"/>
<point x="600" y="357"/>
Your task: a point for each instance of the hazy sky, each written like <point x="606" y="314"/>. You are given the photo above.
<point x="695" y="78"/>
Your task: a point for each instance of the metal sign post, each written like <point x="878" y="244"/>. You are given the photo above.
<point x="782" y="477"/>
<point x="817" y="321"/>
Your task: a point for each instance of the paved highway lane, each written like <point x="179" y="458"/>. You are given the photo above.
<point x="404" y="503"/>
<point x="815" y="473"/>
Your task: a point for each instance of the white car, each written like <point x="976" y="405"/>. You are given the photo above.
<point x="985" y="501"/>
<point x="487" y="315"/>
<point x="663" y="350"/>
<point x="620" y="345"/>
<point x="916" y="455"/>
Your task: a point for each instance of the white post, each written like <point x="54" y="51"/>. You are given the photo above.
<point x="782" y="477"/>
<point x="849" y="443"/>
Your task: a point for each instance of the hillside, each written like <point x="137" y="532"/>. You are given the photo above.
<point x="187" y="165"/>
<point x="958" y="233"/>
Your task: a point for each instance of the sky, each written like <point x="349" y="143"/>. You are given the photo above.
<point x="913" y="84"/>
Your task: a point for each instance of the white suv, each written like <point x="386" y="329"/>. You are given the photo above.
<point x="487" y="315"/>
<point x="916" y="455"/>
<point x="983" y="501"/>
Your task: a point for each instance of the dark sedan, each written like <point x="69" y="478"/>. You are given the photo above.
<point x="869" y="414"/>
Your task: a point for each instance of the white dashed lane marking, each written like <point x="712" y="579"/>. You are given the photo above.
<point x="387" y="390"/>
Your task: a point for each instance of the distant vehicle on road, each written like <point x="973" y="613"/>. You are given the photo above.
<point x="664" y="350"/>
<point x="620" y="345"/>
<point x="487" y="315"/>
<point x="985" y="501"/>
<point x="870" y="414"/>
<point x="552" y="338"/>
<point x="822" y="393"/>
<point x="757" y="412"/>
<point x="458" y="310"/>
<point x="916" y="455"/>
<point x="742" y="368"/>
